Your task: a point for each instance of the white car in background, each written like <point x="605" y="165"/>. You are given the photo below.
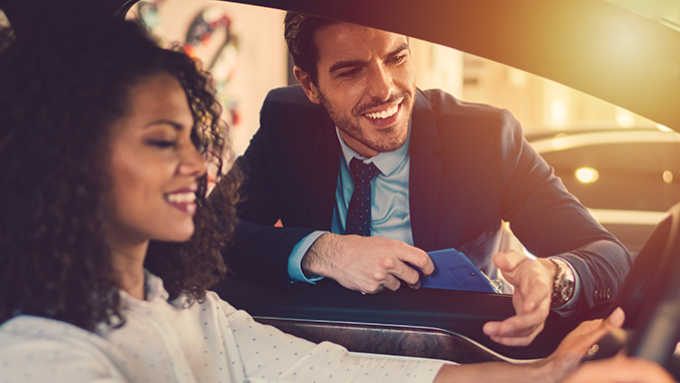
<point x="627" y="178"/>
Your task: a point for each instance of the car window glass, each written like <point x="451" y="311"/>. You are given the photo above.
<point x="627" y="182"/>
<point x="243" y="47"/>
<point x="622" y="176"/>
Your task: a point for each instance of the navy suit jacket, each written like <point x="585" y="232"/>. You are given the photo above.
<point x="470" y="169"/>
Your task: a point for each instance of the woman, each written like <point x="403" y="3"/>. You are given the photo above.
<point x="107" y="244"/>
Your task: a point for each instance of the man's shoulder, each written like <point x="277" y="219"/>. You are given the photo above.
<point x="290" y="95"/>
<point x="290" y="106"/>
<point x="460" y="122"/>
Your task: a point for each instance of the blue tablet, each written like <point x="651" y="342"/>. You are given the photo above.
<point x="453" y="270"/>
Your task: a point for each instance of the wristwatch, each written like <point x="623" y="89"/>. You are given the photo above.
<point x="563" y="286"/>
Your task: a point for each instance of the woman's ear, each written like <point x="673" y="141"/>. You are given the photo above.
<point x="305" y="80"/>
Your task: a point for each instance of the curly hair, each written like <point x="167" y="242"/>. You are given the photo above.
<point x="60" y="93"/>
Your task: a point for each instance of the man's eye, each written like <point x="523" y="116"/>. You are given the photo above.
<point x="399" y="58"/>
<point x="350" y="73"/>
<point x="161" y="143"/>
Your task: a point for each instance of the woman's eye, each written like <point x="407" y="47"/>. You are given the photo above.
<point x="161" y="143"/>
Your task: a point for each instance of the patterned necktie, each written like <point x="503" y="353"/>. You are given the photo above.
<point x="359" y="210"/>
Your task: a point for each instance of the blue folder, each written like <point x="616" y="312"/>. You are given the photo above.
<point x="453" y="270"/>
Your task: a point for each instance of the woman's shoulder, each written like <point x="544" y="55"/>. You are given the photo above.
<point x="211" y="302"/>
<point x="28" y="326"/>
<point x="45" y="349"/>
<point x="214" y="299"/>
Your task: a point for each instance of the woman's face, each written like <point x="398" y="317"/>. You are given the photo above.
<point x="154" y="165"/>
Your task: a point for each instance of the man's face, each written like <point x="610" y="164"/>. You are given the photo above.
<point x="366" y="83"/>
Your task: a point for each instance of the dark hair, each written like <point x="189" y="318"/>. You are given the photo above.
<point x="60" y="92"/>
<point x="299" y="31"/>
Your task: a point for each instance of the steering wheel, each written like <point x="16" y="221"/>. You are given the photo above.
<point x="650" y="297"/>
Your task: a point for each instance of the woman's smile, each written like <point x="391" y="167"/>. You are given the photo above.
<point x="183" y="199"/>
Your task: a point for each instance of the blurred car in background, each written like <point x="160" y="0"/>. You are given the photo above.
<point x="627" y="178"/>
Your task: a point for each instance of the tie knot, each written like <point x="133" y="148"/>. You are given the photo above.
<point x="362" y="172"/>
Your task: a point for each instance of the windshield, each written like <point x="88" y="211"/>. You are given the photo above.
<point x="666" y="12"/>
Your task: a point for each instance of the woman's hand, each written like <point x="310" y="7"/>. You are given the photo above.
<point x="576" y="344"/>
<point x="620" y="369"/>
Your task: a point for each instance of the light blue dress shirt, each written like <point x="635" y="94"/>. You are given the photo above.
<point x="390" y="216"/>
<point x="390" y="213"/>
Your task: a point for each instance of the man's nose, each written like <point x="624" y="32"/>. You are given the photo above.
<point x="380" y="83"/>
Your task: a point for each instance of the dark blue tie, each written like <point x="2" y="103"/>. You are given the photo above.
<point x="359" y="210"/>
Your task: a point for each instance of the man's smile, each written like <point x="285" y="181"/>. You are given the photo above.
<point x="389" y="112"/>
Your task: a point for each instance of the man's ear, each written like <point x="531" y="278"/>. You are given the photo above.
<point x="310" y="89"/>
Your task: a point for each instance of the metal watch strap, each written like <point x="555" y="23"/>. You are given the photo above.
<point x="563" y="285"/>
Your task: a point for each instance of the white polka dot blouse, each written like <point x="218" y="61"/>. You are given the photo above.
<point x="165" y="341"/>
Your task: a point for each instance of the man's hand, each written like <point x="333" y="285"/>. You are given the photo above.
<point x="366" y="264"/>
<point x="533" y="282"/>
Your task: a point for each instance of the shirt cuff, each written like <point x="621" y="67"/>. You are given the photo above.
<point x="295" y="259"/>
<point x="570" y="306"/>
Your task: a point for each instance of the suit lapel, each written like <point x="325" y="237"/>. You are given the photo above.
<point x="425" y="174"/>
<point x="323" y="175"/>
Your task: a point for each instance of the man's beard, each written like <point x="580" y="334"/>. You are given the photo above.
<point x="351" y="125"/>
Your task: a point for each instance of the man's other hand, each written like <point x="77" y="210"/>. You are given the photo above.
<point x="533" y="282"/>
<point x="366" y="264"/>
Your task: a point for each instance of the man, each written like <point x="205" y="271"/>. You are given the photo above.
<point x="431" y="172"/>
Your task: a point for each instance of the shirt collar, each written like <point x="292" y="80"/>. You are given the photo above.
<point x="386" y="162"/>
<point x="154" y="287"/>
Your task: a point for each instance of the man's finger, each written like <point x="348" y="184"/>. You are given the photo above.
<point x="515" y="341"/>
<point x="418" y="258"/>
<point x="491" y="328"/>
<point x="518" y="323"/>
<point x="507" y="262"/>
<point x="415" y="286"/>
<point x="537" y="298"/>
<point x="519" y="330"/>
<point x="428" y="267"/>
<point x="522" y="338"/>
<point x="406" y="273"/>
<point x="391" y="283"/>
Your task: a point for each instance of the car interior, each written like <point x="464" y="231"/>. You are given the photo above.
<point x="624" y="52"/>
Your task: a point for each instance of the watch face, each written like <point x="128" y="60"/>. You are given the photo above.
<point x="567" y="290"/>
<point x="565" y="294"/>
